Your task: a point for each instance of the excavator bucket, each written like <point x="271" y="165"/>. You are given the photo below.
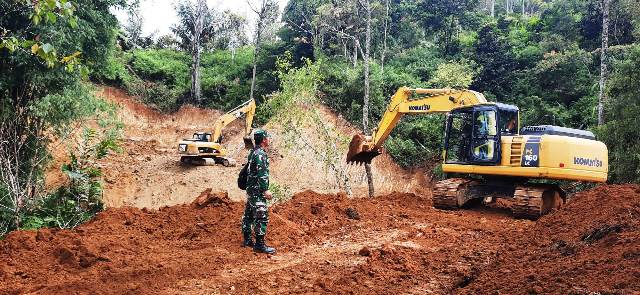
<point x="358" y="152"/>
<point x="248" y="143"/>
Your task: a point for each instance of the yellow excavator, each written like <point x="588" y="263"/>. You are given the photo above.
<point x="205" y="148"/>
<point x="486" y="154"/>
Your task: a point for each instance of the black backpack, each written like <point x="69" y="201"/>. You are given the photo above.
<point x="244" y="173"/>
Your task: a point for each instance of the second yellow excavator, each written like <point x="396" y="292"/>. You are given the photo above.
<point x="205" y="148"/>
<point x="488" y="153"/>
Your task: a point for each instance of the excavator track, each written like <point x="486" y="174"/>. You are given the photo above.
<point x="530" y="201"/>
<point x="208" y="161"/>
<point x="533" y="201"/>
<point x="449" y="194"/>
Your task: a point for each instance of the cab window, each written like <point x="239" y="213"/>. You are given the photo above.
<point x="485" y="123"/>
<point x="508" y="122"/>
<point x="485" y="136"/>
<point x="459" y="137"/>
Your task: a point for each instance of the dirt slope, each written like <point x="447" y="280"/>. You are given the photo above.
<point x="328" y="243"/>
<point x="593" y="244"/>
<point x="393" y="243"/>
<point x="148" y="173"/>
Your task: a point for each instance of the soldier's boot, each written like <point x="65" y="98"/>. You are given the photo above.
<point x="247" y="241"/>
<point x="260" y="246"/>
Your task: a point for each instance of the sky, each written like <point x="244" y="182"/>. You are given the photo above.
<point x="159" y="15"/>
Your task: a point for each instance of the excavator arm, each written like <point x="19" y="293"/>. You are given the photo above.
<point x="363" y="149"/>
<point x="248" y="109"/>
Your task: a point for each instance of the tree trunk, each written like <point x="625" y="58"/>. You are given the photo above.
<point x="603" y="60"/>
<point x="195" y="75"/>
<point x="356" y="44"/>
<point x="255" y="54"/>
<point x="253" y="76"/>
<point x="198" y="24"/>
<point x="493" y="8"/>
<point x="523" y="7"/>
<point x="346" y="53"/>
<point x="384" y="44"/>
<point x="365" y="108"/>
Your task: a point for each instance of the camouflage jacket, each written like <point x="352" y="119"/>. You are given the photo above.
<point x="258" y="172"/>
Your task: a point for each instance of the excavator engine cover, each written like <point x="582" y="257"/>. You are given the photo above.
<point x="357" y="152"/>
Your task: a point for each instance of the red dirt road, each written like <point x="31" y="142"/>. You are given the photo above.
<point x="331" y="244"/>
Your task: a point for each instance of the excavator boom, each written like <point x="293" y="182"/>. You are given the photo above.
<point x="363" y="149"/>
<point x="248" y="109"/>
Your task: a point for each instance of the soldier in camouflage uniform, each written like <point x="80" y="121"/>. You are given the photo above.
<point x="256" y="214"/>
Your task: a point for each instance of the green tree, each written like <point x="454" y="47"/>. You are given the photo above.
<point x="196" y="27"/>
<point x="493" y="53"/>
<point x="443" y="18"/>
<point x="454" y="75"/>
<point x="300" y="31"/>
<point x="267" y="13"/>
<point x="620" y="132"/>
<point x="46" y="48"/>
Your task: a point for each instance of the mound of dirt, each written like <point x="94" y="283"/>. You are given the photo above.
<point x="592" y="246"/>
<point x="195" y="249"/>
<point x="207" y="198"/>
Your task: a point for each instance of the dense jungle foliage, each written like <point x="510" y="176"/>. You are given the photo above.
<point x="47" y="51"/>
<point x="543" y="56"/>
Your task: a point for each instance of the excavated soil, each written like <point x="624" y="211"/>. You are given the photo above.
<point x="592" y="246"/>
<point x="328" y="243"/>
<point x="149" y="174"/>
<point x="188" y="242"/>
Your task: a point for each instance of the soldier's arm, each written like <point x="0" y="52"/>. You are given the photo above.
<point x="262" y="173"/>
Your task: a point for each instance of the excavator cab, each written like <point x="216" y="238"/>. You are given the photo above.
<point x="473" y="133"/>
<point x="201" y="136"/>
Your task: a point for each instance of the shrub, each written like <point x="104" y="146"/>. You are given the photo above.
<point x="420" y="62"/>
<point x="620" y="132"/>
<point x="454" y="74"/>
<point x="416" y="140"/>
<point x="281" y="193"/>
<point x="81" y="198"/>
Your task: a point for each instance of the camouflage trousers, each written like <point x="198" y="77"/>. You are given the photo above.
<point x="256" y="215"/>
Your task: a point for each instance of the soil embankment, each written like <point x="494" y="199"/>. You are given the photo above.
<point x="326" y="243"/>
<point x="149" y="174"/>
<point x="593" y="244"/>
<point x="329" y="243"/>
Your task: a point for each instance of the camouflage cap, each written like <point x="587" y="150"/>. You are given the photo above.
<point x="259" y="135"/>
